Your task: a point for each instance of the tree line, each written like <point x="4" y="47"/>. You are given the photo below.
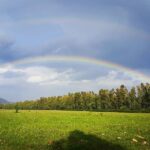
<point x="119" y="99"/>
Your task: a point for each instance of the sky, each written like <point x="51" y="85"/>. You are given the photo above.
<point x="115" y="31"/>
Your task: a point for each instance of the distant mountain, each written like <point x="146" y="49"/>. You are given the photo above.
<point x="3" y="101"/>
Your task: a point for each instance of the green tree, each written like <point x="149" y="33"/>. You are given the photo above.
<point x="104" y="98"/>
<point x="122" y="99"/>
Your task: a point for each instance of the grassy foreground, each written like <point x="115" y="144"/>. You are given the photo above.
<point x="70" y="130"/>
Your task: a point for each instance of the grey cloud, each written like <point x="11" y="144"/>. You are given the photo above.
<point x="103" y="29"/>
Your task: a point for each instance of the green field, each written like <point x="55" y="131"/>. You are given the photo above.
<point x="73" y="130"/>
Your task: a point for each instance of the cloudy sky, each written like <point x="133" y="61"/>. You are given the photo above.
<point x="116" y="31"/>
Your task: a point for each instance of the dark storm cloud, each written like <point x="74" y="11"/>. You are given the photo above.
<point x="117" y="31"/>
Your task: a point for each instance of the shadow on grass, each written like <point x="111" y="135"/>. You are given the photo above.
<point x="78" y="140"/>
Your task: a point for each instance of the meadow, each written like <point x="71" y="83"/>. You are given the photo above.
<point x="72" y="130"/>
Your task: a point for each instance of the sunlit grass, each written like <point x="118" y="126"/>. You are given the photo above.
<point x="39" y="129"/>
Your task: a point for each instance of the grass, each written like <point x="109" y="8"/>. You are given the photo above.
<point x="72" y="130"/>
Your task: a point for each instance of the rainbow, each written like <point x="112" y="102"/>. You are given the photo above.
<point x="94" y="61"/>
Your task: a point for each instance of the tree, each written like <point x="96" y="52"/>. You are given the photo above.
<point x="17" y="108"/>
<point x="115" y="99"/>
<point x="134" y="104"/>
<point x="104" y="98"/>
<point x="144" y="95"/>
<point x="112" y="98"/>
<point x="122" y="97"/>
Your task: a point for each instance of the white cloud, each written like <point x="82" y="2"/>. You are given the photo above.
<point x="36" y="81"/>
<point x="116" y="78"/>
<point x="45" y="75"/>
<point x="39" y="75"/>
<point x="3" y="70"/>
<point x="51" y="76"/>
